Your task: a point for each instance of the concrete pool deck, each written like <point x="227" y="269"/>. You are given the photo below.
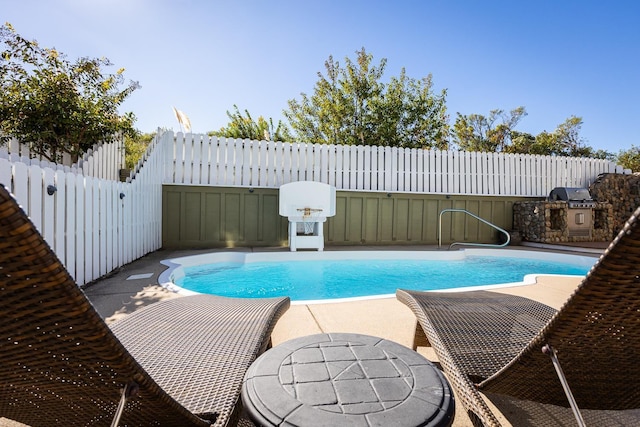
<point x="135" y="285"/>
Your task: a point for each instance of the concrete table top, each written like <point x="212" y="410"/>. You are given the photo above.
<point x="346" y="379"/>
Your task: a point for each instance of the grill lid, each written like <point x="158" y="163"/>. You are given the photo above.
<point x="570" y="194"/>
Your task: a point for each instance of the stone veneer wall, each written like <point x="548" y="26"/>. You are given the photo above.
<point x="546" y="222"/>
<point x="622" y="191"/>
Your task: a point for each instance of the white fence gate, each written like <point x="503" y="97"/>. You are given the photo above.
<point x="93" y="224"/>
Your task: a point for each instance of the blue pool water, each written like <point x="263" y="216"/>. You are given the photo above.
<point x="337" y="279"/>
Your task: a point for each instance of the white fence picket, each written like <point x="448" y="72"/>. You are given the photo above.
<point x="254" y="147"/>
<point x="179" y="160"/>
<point x="453" y="166"/>
<point x="372" y="165"/>
<point x="245" y="153"/>
<point x="94" y="211"/>
<point x="5" y="172"/>
<point x="188" y="159"/>
<point x="262" y="165"/>
<point x="309" y="169"/>
<point x="366" y="167"/>
<point x="35" y="184"/>
<point x="380" y="180"/>
<point x="388" y="168"/>
<point x="116" y="233"/>
<point x="111" y="216"/>
<point x="292" y="162"/>
<point x="127" y="226"/>
<point x="339" y="180"/>
<point x="69" y="212"/>
<point x="400" y="170"/>
<point x="205" y="162"/>
<point x="97" y="166"/>
<point x="59" y="220"/>
<point x="228" y="161"/>
<point x="465" y="181"/>
<point x="324" y="162"/>
<point x="238" y="162"/>
<point x="353" y="166"/>
<point x="278" y="173"/>
<point x="331" y="164"/>
<point x="79" y="231"/>
<point x="20" y="187"/>
<point x="14" y="147"/>
<point x="412" y="165"/>
<point x="88" y="210"/>
<point x="197" y="159"/>
<point x="47" y="201"/>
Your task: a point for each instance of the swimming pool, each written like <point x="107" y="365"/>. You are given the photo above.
<point x="313" y="277"/>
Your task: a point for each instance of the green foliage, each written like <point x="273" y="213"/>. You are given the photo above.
<point x="135" y="146"/>
<point x="564" y="141"/>
<point x="567" y="140"/>
<point x="246" y="128"/>
<point x="630" y="159"/>
<point x="55" y="105"/>
<point x="350" y="106"/>
<point x="476" y="132"/>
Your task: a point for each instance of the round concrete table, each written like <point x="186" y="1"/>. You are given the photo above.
<point x="346" y="379"/>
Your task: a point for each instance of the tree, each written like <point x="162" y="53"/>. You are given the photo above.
<point x="351" y="106"/>
<point x="630" y="159"/>
<point x="55" y="105"/>
<point x="567" y="137"/>
<point x="135" y="147"/>
<point x="525" y="143"/>
<point x="476" y="132"/>
<point x="570" y="143"/>
<point x="411" y="116"/>
<point x="565" y="140"/>
<point x="246" y="128"/>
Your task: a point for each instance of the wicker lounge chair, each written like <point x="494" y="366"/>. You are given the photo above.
<point x="492" y="343"/>
<point x="181" y="361"/>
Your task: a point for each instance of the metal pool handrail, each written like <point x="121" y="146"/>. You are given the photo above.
<point x="470" y="244"/>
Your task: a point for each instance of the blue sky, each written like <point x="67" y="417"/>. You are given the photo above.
<point x="555" y="58"/>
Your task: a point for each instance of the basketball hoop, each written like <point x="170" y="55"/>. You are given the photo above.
<point x="309" y="218"/>
<point x="307" y="204"/>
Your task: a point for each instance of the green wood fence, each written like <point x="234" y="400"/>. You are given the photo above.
<point x="214" y="217"/>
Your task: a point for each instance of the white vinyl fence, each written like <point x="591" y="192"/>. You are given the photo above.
<point x="94" y="225"/>
<point x="202" y="160"/>
<point x="102" y="161"/>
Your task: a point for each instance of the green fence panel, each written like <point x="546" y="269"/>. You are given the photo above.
<point x="215" y="217"/>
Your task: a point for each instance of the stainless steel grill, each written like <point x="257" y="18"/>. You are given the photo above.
<point x="580" y="209"/>
<point x="575" y="197"/>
